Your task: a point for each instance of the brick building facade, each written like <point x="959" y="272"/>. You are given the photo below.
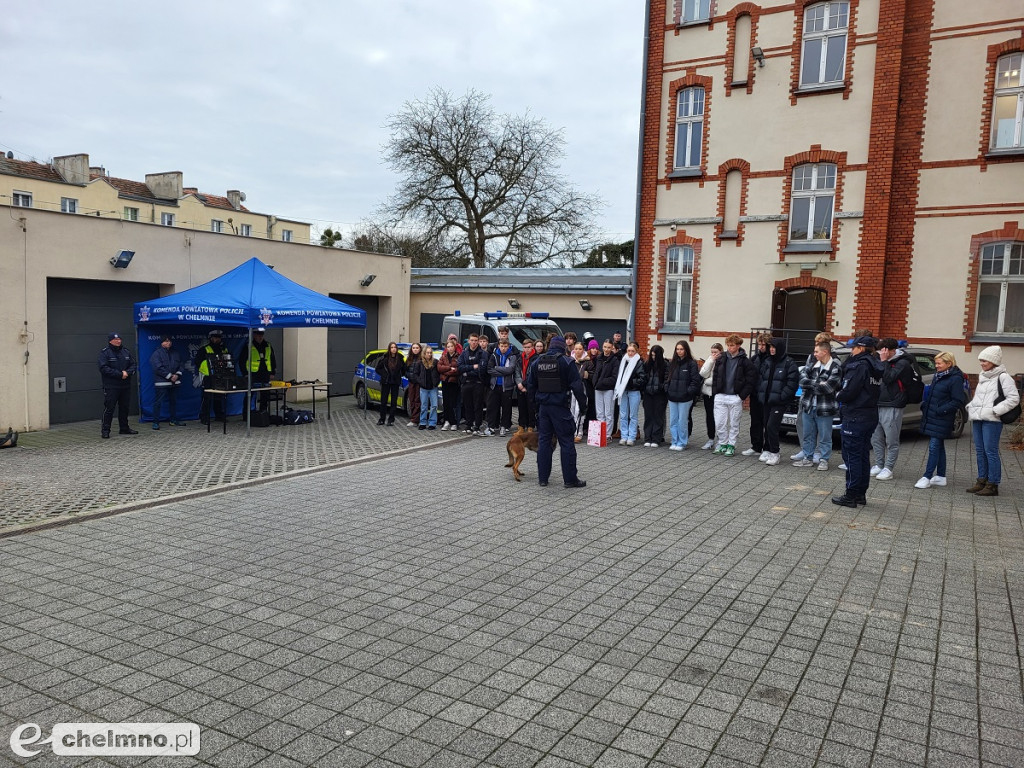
<point x="834" y="165"/>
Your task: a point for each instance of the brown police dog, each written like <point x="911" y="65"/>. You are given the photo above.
<point x="516" y="447"/>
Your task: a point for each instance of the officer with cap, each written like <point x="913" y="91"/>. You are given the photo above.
<point x="858" y="413"/>
<point x="259" y="361"/>
<point x="550" y="381"/>
<point x="117" y="366"/>
<point x="211" y="359"/>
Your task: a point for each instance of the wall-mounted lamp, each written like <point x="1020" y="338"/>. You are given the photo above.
<point x="758" y="55"/>
<point x="585" y="305"/>
<point x="367" y="279"/>
<point x="514" y="303"/>
<point x="122" y="260"/>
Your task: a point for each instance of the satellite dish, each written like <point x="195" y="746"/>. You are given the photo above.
<point x="241" y="196"/>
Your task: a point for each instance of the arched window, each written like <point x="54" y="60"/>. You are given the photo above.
<point x="678" y="284"/>
<point x="814" y="194"/>
<point x="1001" y="289"/>
<point x="823" y="55"/>
<point x="689" y="127"/>
<point x="1008" y="104"/>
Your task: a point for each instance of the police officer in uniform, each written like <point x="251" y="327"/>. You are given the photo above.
<point x="261" y="364"/>
<point x="117" y="366"/>
<point x="206" y="360"/>
<point x="550" y="381"/>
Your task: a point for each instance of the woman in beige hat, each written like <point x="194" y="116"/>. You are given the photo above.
<point x="984" y="412"/>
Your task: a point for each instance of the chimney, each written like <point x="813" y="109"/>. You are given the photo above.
<point x="74" y="169"/>
<point x="97" y="171"/>
<point x="236" y="198"/>
<point x="166" y="186"/>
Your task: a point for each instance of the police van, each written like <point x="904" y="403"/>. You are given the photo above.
<point x="521" y="326"/>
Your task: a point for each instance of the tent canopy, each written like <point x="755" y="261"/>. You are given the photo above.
<point x="249" y="296"/>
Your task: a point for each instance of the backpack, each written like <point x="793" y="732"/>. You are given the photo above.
<point x="293" y="416"/>
<point x="912" y="385"/>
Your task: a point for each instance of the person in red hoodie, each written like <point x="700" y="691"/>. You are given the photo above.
<point x="527" y="411"/>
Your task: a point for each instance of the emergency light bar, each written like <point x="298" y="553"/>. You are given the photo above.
<point x="500" y="314"/>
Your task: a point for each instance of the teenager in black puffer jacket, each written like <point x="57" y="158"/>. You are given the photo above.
<point x="779" y="380"/>
<point x="654" y="397"/>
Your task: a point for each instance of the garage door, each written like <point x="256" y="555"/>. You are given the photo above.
<point x="79" y="315"/>
<point x="345" y="345"/>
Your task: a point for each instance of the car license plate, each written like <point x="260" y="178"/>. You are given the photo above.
<point x="789" y="419"/>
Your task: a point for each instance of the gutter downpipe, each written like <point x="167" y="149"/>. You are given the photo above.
<point x="631" y="322"/>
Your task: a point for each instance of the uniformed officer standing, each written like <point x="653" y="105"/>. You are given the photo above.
<point x="209" y="360"/>
<point x="117" y="366"/>
<point x="550" y="381"/>
<point x="259" y="361"/>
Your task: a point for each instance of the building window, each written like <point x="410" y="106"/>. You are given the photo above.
<point x="167" y="219"/>
<point x="696" y="10"/>
<point x="245" y="230"/>
<point x="1008" y="111"/>
<point x="823" y="60"/>
<point x="1001" y="289"/>
<point x="131" y="214"/>
<point x="23" y="199"/>
<point x="678" y="284"/>
<point x="689" y="127"/>
<point x="68" y="205"/>
<point x="814" y="193"/>
<point x="286" y="235"/>
<point x="216" y="225"/>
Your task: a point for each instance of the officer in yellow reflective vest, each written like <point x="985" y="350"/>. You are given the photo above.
<point x="205" y="362"/>
<point x="258" y="360"/>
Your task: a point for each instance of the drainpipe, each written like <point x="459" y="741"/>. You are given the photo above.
<point x="631" y="322"/>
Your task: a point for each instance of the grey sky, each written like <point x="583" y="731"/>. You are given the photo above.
<point x="287" y="100"/>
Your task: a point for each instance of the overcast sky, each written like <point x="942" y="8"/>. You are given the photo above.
<point x="287" y="100"/>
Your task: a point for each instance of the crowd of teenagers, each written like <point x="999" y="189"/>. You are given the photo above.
<point x="482" y="385"/>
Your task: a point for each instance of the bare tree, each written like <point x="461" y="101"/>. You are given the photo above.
<point x="485" y="184"/>
<point x="375" y="237"/>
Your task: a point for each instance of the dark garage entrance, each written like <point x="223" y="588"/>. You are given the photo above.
<point x="79" y="315"/>
<point x="345" y="345"/>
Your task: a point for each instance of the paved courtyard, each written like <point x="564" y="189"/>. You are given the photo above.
<point x="415" y="606"/>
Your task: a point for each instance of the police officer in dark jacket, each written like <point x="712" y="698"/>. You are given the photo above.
<point x="117" y="366"/>
<point x="858" y="411"/>
<point x="550" y="381"/>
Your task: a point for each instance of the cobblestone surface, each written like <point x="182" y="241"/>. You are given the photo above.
<point x="423" y="609"/>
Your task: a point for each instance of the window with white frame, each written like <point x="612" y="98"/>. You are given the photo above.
<point x="1001" y="289"/>
<point x="689" y="127"/>
<point x="131" y="214"/>
<point x="167" y="219"/>
<point x="823" y="57"/>
<point x="245" y="230"/>
<point x="1008" y="109"/>
<point x="696" y="10"/>
<point x="814" y="195"/>
<point x="22" y="199"/>
<point x="216" y="225"/>
<point x="286" y="235"/>
<point x="68" y="205"/>
<point x="678" y="284"/>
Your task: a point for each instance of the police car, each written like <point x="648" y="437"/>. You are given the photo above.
<point x="923" y="358"/>
<point x="366" y="381"/>
<point x="521" y="326"/>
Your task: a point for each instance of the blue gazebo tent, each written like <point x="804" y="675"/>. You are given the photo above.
<point x="249" y="296"/>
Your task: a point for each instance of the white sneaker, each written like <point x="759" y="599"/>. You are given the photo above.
<point x="773" y="459"/>
<point x="843" y="467"/>
<point x="648" y="445"/>
<point x="938" y="480"/>
<point x="924" y="482"/>
<point x="630" y="442"/>
<point x="444" y="427"/>
<point x="412" y="424"/>
<point x="798" y="456"/>
<point x="675" y="447"/>
<point x="764" y="456"/>
<point x="875" y="470"/>
<point x="749" y="452"/>
<point x="885" y="474"/>
<point x="503" y="432"/>
<point x="823" y="465"/>
<point x="622" y="442"/>
<point x="708" y="445"/>
<point x="803" y="463"/>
